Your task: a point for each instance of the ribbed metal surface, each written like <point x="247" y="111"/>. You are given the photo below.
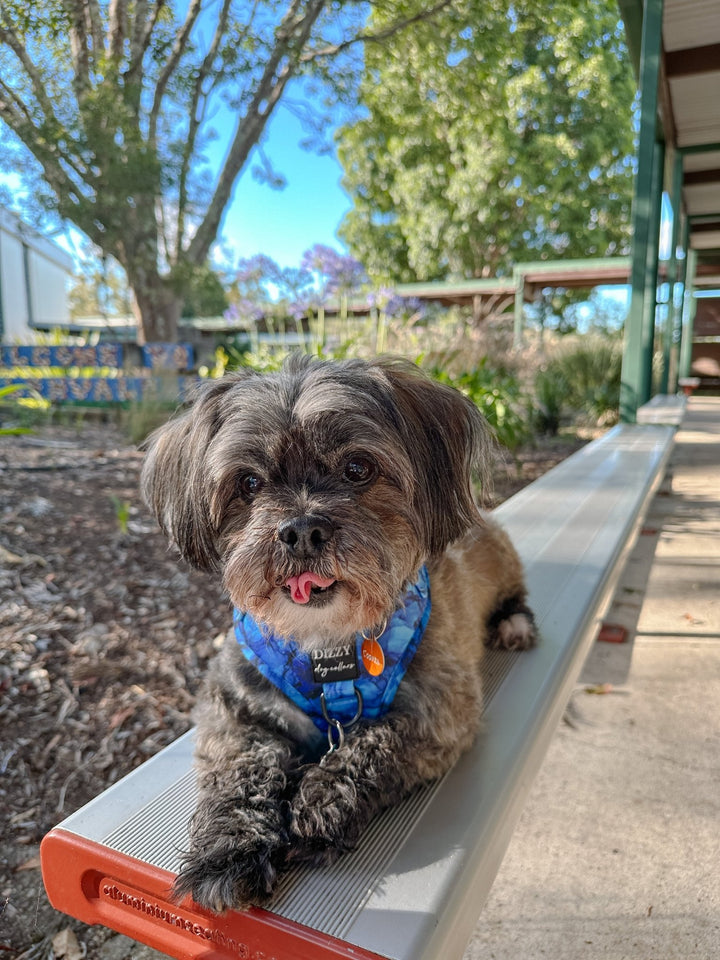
<point x="139" y="837"/>
<point x="328" y="899"/>
<point x="497" y="664"/>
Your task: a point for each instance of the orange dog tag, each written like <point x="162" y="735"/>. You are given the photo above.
<point x="373" y="657"/>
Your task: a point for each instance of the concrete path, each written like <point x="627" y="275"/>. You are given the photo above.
<point x="617" y="853"/>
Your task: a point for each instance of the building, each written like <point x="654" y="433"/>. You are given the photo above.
<point x="33" y="281"/>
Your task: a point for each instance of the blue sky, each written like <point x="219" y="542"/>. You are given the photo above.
<point x="285" y="223"/>
<point x="280" y="223"/>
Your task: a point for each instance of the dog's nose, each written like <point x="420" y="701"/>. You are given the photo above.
<point x="305" y="536"/>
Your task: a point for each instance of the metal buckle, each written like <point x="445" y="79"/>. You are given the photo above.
<point x="336" y="730"/>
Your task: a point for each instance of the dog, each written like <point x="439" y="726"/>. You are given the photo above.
<point x="336" y="501"/>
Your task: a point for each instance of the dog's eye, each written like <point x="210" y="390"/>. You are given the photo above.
<point x="359" y="470"/>
<point x="249" y="485"/>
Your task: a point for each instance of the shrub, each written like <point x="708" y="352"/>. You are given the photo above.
<point x="25" y="406"/>
<point x="496" y="393"/>
<point x="581" y="380"/>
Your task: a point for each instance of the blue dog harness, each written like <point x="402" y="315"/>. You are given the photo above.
<point x="338" y="686"/>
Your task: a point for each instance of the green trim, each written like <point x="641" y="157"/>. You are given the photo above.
<point x="699" y="148"/>
<point x="652" y="274"/>
<point x="631" y="12"/>
<point x="455" y="287"/>
<point x="509" y="284"/>
<point x="639" y="327"/>
<point x="688" y="316"/>
<point x="675" y="195"/>
<point x="519" y="308"/>
<point x="677" y="312"/>
<point x="574" y="266"/>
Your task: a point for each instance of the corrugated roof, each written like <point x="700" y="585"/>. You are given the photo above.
<point x="691" y="110"/>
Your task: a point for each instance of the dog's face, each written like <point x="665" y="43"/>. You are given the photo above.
<point x="319" y="490"/>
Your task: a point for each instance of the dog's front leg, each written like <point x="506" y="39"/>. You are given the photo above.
<point x="238" y="833"/>
<point x="377" y="766"/>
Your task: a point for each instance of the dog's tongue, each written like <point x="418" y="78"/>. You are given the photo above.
<point x="301" y="586"/>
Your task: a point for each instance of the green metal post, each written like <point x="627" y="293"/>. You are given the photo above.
<point x="677" y="311"/>
<point x="635" y="385"/>
<point x="688" y="320"/>
<point x="519" y="278"/>
<point x="652" y="274"/>
<point x="672" y="269"/>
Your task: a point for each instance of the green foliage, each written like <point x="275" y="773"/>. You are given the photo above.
<point x="122" y="513"/>
<point x="581" y="380"/>
<point x="230" y="356"/>
<point x="502" y="133"/>
<point x="24" y="405"/>
<point x="100" y="287"/>
<point x="548" y="405"/>
<point x="140" y="417"/>
<point x="496" y="393"/>
<point x="203" y="293"/>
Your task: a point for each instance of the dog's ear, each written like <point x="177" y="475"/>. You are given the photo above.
<point x="173" y="481"/>
<point x="449" y="442"/>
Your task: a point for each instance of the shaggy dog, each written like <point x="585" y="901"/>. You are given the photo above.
<point x="335" y="499"/>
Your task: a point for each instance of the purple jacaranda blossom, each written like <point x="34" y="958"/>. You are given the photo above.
<point x="393" y="305"/>
<point x="338" y="273"/>
<point x="257" y="269"/>
<point x="380" y="297"/>
<point x="244" y="311"/>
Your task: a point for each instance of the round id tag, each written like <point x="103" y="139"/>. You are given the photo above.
<point x="373" y="657"/>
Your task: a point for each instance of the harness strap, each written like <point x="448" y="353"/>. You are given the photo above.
<point x="369" y="690"/>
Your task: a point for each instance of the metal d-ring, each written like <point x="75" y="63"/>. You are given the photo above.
<point x="375" y="635"/>
<point x="336" y="730"/>
<point x="337" y="727"/>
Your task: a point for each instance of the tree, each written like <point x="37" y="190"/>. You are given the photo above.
<point x="109" y="109"/>
<point x="261" y="288"/>
<point x="99" y="288"/>
<point x="502" y="133"/>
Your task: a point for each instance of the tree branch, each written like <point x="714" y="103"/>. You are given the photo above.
<point x="117" y="28"/>
<point x="95" y="27"/>
<point x="377" y="36"/>
<point x="48" y="154"/>
<point x="33" y="74"/>
<point x="143" y="26"/>
<point x="195" y="119"/>
<point x="291" y="37"/>
<point x="181" y="39"/>
<point x="79" y="46"/>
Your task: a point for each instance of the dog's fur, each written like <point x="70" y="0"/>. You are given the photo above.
<point x="380" y="459"/>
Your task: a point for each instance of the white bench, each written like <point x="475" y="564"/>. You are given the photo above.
<point x="415" y="887"/>
<point x="667" y="408"/>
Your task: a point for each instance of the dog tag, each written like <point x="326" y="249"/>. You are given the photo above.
<point x="334" y="664"/>
<point x="373" y="657"/>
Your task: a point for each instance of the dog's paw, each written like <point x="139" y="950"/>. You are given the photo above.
<point x="233" y="875"/>
<point x="324" y="818"/>
<point x="512" y="627"/>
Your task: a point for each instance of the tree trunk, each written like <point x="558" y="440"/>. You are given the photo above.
<point x="157" y="307"/>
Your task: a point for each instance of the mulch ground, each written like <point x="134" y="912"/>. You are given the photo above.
<point x="104" y="638"/>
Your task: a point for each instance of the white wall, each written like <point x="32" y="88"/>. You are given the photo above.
<point x="15" y="317"/>
<point x="33" y="278"/>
